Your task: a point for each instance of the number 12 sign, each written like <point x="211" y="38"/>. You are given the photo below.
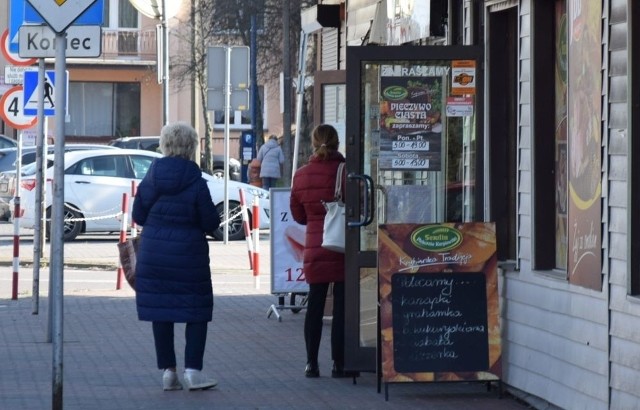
<point x="12" y="113"/>
<point x="287" y="245"/>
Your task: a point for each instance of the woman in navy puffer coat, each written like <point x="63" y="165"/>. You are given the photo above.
<point x="312" y="184"/>
<point x="173" y="279"/>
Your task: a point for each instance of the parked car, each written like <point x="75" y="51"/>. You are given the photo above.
<point x="95" y="181"/>
<point x="8" y="158"/>
<point x="7" y="142"/>
<point x="153" y="144"/>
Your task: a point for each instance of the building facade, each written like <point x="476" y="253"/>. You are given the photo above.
<point x="553" y="170"/>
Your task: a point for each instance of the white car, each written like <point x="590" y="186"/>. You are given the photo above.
<point x="96" y="180"/>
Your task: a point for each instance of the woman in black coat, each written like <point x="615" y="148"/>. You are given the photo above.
<point x="173" y="279"/>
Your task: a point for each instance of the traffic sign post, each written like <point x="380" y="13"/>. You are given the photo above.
<point x="31" y="95"/>
<point x="82" y="41"/>
<point x="11" y="56"/>
<point x="14" y="74"/>
<point x="227" y="87"/>
<point x="59" y="15"/>
<point x="21" y="12"/>
<point x="12" y="109"/>
<point x="238" y="77"/>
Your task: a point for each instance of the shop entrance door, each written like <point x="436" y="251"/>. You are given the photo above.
<point x="414" y="155"/>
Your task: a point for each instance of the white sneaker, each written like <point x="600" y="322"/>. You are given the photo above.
<point x="195" y="380"/>
<point x="170" y="381"/>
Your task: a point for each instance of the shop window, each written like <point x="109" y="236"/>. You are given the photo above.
<point x="104" y="109"/>
<point x="567" y="168"/>
<point x="550" y="138"/>
<point x="503" y="130"/>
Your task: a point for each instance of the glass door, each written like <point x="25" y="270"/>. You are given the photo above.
<point x="414" y="155"/>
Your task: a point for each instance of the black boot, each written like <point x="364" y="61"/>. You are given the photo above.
<point x="312" y="370"/>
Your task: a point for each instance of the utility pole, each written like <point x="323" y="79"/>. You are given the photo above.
<point x="254" y="80"/>
<point x="165" y="65"/>
<point x="286" y="90"/>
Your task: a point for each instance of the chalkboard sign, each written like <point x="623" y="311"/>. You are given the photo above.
<point x="439" y="322"/>
<point x="439" y="306"/>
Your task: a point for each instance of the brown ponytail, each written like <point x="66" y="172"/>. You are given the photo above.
<point x="324" y="140"/>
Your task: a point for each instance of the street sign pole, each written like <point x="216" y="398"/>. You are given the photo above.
<point x="227" y="114"/>
<point x="227" y="68"/>
<point x="165" y="65"/>
<point x="38" y="236"/>
<point x="57" y="221"/>
<point x="59" y="16"/>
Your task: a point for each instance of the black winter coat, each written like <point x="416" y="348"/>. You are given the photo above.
<point x="173" y="278"/>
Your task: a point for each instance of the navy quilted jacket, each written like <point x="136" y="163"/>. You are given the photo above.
<point x="173" y="278"/>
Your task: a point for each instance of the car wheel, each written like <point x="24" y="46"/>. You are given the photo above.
<point x="235" y="226"/>
<point x="72" y="226"/>
<point x="218" y="173"/>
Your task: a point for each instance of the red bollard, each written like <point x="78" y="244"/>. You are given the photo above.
<point x="256" y="241"/>
<point x="247" y="228"/>
<point x="16" y="246"/>
<point x="123" y="236"/>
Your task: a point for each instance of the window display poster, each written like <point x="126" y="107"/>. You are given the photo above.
<point x="585" y="145"/>
<point x="287" y="245"/>
<point x="439" y="306"/>
<point x="411" y="119"/>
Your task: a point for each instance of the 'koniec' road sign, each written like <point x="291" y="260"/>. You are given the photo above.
<point x="39" y="41"/>
<point x="21" y="12"/>
<point x="60" y="14"/>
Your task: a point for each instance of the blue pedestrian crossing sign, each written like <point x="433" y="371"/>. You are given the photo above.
<point x="31" y="95"/>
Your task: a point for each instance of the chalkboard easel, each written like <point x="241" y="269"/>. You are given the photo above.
<point x="439" y="322"/>
<point x="439" y="316"/>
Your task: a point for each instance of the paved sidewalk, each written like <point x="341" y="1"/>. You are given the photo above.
<point x="109" y="359"/>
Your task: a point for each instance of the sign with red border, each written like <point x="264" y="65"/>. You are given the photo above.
<point x="12" y="109"/>
<point x="11" y="57"/>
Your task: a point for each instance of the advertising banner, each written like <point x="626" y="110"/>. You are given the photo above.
<point x="287" y="246"/>
<point x="411" y="117"/>
<point x="585" y="145"/>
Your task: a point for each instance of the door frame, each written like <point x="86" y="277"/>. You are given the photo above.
<point x="358" y="357"/>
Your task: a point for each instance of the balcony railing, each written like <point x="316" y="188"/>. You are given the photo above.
<point x="128" y="44"/>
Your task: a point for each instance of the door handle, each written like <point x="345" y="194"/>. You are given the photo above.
<point x="367" y="203"/>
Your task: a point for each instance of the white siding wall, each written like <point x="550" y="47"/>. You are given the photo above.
<point x="625" y="310"/>
<point x="573" y="347"/>
<point x="555" y="335"/>
<point x="330" y="53"/>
